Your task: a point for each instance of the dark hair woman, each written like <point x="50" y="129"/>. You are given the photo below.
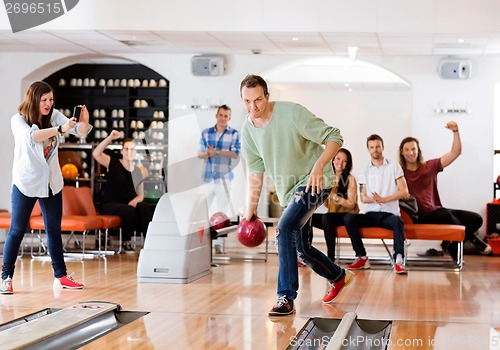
<point x="36" y="176"/>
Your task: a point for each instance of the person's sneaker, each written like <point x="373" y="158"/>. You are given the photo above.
<point x="301" y="264"/>
<point x="431" y="252"/>
<point x="400" y="269"/>
<point x="6" y="286"/>
<point x="283" y="307"/>
<point x="359" y="264"/>
<point x="481" y="246"/>
<point x="67" y="282"/>
<point x="336" y="287"/>
<point x="128" y="249"/>
<point x="487" y="250"/>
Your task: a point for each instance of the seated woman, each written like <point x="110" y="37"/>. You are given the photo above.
<point x="124" y="192"/>
<point x="342" y="200"/>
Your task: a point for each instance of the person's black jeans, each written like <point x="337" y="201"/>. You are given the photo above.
<point x="328" y="222"/>
<point x="472" y="222"/>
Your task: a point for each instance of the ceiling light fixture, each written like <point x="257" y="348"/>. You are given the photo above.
<point x="352" y="50"/>
<point x="295" y="39"/>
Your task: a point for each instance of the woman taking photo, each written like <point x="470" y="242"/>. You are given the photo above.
<point x="36" y="175"/>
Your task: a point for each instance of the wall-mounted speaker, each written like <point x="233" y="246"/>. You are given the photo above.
<point x="454" y="68"/>
<point x="207" y="65"/>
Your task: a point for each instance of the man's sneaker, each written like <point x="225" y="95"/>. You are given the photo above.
<point x="481" y="246"/>
<point x="67" y="282"/>
<point x="301" y="264"/>
<point x="6" y="286"/>
<point x="127" y="248"/>
<point x="336" y="287"/>
<point x="359" y="264"/>
<point x="283" y="307"/>
<point x="487" y="250"/>
<point x="400" y="269"/>
<point x="484" y="248"/>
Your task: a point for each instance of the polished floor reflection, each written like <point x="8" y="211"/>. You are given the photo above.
<point x="228" y="308"/>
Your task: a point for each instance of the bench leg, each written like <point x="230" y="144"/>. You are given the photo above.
<point x="42" y="250"/>
<point x="460" y="255"/>
<point x="406" y="243"/>
<point x="337" y="251"/>
<point x="388" y="252"/>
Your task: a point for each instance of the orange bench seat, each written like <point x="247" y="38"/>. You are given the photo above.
<point x="431" y="232"/>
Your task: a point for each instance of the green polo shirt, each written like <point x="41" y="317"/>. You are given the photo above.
<point x="287" y="147"/>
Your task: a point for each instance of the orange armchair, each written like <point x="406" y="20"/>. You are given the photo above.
<point x="107" y="221"/>
<point x="74" y="219"/>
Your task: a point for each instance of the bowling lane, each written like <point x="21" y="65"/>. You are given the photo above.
<point x="228" y="308"/>
<point x="202" y="331"/>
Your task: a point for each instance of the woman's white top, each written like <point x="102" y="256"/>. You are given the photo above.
<point x="32" y="172"/>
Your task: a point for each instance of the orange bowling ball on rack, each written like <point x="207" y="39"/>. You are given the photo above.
<point x="69" y="171"/>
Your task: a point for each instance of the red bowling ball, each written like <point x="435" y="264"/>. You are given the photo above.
<point x="219" y="220"/>
<point x="251" y="233"/>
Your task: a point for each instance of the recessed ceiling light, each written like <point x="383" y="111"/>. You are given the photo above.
<point x="461" y="41"/>
<point x="295" y="39"/>
<point x="346" y="84"/>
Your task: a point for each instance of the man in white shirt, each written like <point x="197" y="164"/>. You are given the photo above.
<point x="382" y="185"/>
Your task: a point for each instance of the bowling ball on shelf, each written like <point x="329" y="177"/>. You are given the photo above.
<point x="498" y="180"/>
<point x="251" y="233"/>
<point x="69" y="171"/>
<point x="219" y="220"/>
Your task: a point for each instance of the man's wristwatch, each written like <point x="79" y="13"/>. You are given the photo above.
<point x="59" y="130"/>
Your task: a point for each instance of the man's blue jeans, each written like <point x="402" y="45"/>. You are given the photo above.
<point x="22" y="206"/>
<point x="293" y="234"/>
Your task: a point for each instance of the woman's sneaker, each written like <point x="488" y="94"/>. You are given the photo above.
<point x="359" y="264"/>
<point x="6" y="286"/>
<point x="67" y="282"/>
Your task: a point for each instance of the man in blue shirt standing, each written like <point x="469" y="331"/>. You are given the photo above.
<point x="219" y="146"/>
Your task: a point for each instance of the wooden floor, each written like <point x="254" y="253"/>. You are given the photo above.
<point x="228" y="308"/>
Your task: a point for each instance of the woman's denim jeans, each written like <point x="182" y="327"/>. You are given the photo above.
<point x="293" y="234"/>
<point x="22" y="206"/>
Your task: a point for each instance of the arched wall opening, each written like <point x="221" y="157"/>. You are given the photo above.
<point x="121" y="95"/>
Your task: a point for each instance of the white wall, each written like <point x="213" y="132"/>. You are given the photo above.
<point x="359" y="114"/>
<point x="466" y="184"/>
